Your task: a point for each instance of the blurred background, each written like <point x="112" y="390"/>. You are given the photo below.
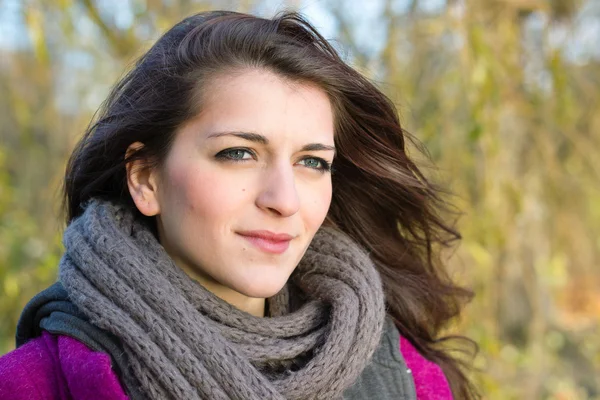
<point x="505" y="94"/>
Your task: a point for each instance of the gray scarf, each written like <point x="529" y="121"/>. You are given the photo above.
<point x="183" y="342"/>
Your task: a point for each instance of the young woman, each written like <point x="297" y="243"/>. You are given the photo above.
<point x="243" y="223"/>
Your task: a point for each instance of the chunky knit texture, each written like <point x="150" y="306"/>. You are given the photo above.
<point x="183" y="342"/>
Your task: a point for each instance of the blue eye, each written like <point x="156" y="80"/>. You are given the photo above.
<point x="317" y="163"/>
<point x="241" y="154"/>
<point x="234" y="154"/>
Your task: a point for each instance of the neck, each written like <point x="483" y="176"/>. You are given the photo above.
<point x="252" y="305"/>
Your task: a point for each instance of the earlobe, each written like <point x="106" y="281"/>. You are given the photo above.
<point x="142" y="183"/>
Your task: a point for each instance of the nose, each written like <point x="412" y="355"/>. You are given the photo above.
<point x="278" y="192"/>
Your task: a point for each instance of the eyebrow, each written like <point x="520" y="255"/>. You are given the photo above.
<point x="255" y="137"/>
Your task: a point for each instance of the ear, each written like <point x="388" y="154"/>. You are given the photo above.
<point x="142" y="183"/>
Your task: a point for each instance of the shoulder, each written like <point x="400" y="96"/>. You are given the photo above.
<point x="430" y="381"/>
<point x="31" y="370"/>
<point x="57" y="367"/>
<point x="387" y="376"/>
<point x="398" y="371"/>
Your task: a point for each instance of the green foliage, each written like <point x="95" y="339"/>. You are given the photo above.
<point x="519" y="153"/>
<point x="28" y="260"/>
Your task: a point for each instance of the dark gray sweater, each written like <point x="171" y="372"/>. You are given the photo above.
<point x="386" y="377"/>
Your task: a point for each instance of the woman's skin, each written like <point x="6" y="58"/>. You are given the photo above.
<point x="215" y="185"/>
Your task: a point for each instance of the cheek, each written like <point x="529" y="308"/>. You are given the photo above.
<point x="202" y="191"/>
<point x="317" y="202"/>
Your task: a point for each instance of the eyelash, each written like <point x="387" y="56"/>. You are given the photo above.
<point x="222" y="155"/>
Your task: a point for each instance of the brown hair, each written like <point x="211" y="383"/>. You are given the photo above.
<point x="380" y="198"/>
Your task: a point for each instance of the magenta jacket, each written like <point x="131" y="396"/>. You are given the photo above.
<point x="61" y="368"/>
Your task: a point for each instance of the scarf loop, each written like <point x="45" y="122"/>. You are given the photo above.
<point x="183" y="342"/>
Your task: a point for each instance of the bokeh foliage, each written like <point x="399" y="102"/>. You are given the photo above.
<point x="509" y="111"/>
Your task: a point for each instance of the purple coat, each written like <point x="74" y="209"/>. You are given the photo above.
<point x="57" y="368"/>
<point x="61" y="368"/>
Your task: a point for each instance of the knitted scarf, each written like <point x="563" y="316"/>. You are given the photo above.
<point x="183" y="342"/>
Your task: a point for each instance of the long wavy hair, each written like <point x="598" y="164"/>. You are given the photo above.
<point x="380" y="198"/>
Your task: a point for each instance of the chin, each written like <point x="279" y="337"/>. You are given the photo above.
<point x="262" y="290"/>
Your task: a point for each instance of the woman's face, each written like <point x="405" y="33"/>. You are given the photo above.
<point x="253" y="163"/>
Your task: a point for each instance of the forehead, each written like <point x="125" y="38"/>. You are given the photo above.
<point x="264" y="102"/>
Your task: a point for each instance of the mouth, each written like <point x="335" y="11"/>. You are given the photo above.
<point x="268" y="242"/>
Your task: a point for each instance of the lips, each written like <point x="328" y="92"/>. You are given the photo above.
<point x="267" y="241"/>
